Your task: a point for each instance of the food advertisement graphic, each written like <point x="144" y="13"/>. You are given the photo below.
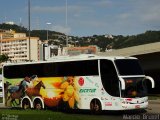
<point x="53" y="90"/>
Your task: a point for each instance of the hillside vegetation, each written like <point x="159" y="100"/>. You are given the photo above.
<point x="102" y="41"/>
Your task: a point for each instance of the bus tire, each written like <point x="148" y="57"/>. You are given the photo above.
<point x="26" y="104"/>
<point x="95" y="106"/>
<point x="37" y="104"/>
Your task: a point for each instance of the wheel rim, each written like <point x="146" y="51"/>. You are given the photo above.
<point x="95" y="106"/>
<point x="26" y="106"/>
<point x="38" y="106"/>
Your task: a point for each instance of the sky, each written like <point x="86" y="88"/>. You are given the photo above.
<point x="85" y="17"/>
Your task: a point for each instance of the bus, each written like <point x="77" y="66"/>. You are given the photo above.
<point x="84" y="82"/>
<point x="1" y="87"/>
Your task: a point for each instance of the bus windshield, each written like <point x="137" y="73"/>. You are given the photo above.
<point x="128" y="67"/>
<point x="135" y="87"/>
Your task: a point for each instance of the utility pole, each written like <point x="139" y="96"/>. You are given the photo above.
<point x="1" y="43"/>
<point x="29" y="29"/>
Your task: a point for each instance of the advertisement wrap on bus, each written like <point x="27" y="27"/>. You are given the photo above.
<point x="53" y="90"/>
<point x="87" y="82"/>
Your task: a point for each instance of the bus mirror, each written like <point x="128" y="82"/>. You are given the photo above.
<point x="122" y="83"/>
<point x="152" y="81"/>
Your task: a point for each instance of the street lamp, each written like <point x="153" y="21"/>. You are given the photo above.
<point x="47" y="29"/>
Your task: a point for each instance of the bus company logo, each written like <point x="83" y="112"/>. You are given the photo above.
<point x="87" y="91"/>
<point x="81" y="81"/>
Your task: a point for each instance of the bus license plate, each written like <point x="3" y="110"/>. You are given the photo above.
<point x="137" y="106"/>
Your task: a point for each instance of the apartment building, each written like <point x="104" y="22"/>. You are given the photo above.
<point x="16" y="46"/>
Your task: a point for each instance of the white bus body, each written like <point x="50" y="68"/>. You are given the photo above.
<point x="1" y="93"/>
<point x="84" y="82"/>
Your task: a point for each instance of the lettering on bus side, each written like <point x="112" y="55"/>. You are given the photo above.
<point x="87" y="90"/>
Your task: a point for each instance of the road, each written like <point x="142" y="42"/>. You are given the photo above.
<point x="152" y="113"/>
<point x="154" y="106"/>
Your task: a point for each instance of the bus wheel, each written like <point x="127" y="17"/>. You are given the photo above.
<point x="95" y="106"/>
<point x="26" y="104"/>
<point x="38" y="104"/>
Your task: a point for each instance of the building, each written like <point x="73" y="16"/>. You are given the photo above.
<point x="50" y="51"/>
<point x="16" y="46"/>
<point x="82" y="50"/>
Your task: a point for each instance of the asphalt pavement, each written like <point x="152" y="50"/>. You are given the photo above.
<point x="154" y="106"/>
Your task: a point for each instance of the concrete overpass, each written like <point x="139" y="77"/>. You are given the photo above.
<point x="149" y="56"/>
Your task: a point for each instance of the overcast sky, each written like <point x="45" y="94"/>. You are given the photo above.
<point x="85" y="17"/>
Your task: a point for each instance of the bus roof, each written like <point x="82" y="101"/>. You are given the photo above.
<point x="73" y="58"/>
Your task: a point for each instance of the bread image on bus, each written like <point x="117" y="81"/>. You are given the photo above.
<point x="85" y="82"/>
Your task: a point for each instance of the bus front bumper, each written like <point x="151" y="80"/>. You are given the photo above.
<point x="134" y="106"/>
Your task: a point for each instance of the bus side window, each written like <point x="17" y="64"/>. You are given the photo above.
<point x="109" y="77"/>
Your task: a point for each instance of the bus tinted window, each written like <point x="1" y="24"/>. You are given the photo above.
<point x="109" y="77"/>
<point x="129" y="67"/>
<point x="77" y="68"/>
<point x="58" y="69"/>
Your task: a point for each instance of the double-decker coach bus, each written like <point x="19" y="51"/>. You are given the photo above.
<point x="84" y="82"/>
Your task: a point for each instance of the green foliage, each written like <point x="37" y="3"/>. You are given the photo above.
<point x="134" y="40"/>
<point x="42" y="34"/>
<point x="4" y="58"/>
<point x="13" y="114"/>
<point x="120" y="41"/>
<point x="101" y="41"/>
<point x="13" y="27"/>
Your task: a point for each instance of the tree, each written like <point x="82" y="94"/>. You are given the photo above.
<point x="4" y="58"/>
<point x="13" y="27"/>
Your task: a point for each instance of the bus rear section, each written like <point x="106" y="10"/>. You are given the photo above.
<point x="62" y="84"/>
<point x="125" y="84"/>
